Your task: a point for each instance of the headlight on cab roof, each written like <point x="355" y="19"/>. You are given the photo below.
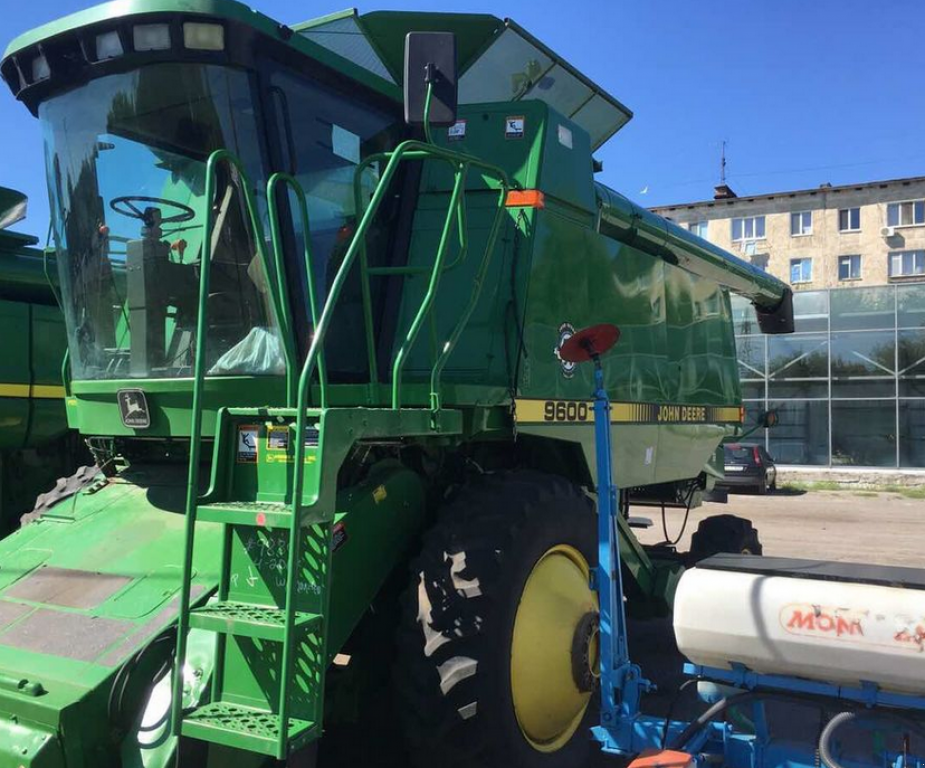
<point x="202" y="36"/>
<point x="151" y="37"/>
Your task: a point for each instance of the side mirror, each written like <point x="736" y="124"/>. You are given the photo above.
<point x="430" y="58"/>
<point x="769" y="419"/>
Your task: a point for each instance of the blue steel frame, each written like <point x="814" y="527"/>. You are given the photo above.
<point x="624" y="730"/>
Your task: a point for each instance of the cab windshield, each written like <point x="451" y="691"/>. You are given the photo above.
<point x="126" y="158"/>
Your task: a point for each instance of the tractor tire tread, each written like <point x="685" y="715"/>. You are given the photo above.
<point x="483" y="521"/>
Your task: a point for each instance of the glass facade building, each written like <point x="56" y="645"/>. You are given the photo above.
<point x="848" y="385"/>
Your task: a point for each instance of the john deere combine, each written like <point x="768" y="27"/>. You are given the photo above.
<point x="35" y="447"/>
<point x="314" y="344"/>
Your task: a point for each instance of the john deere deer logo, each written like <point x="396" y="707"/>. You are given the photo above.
<point x="133" y="407"/>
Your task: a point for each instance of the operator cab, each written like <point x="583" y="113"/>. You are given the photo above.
<point x="129" y="154"/>
<point x="134" y="105"/>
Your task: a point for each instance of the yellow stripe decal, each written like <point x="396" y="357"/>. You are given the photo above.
<point x="40" y="391"/>
<point x="582" y="411"/>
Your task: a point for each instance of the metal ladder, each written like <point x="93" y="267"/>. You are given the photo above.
<point x="268" y="684"/>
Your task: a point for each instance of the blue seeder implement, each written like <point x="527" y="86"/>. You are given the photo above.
<point x="746" y="740"/>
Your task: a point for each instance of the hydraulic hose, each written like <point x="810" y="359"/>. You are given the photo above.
<point x="843" y="718"/>
<point x="825" y="738"/>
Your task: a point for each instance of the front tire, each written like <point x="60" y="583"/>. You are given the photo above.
<point x="498" y="646"/>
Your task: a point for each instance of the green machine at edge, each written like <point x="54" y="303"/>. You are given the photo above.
<point x="35" y="446"/>
<point x="313" y="348"/>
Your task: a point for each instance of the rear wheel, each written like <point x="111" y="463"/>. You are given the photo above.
<point x="498" y="651"/>
<point x="724" y="533"/>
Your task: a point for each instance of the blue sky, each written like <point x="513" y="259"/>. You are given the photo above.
<point x="804" y="92"/>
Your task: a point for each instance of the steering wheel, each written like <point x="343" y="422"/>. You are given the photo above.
<point x="125" y="205"/>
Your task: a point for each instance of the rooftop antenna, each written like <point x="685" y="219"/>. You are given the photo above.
<point x="722" y="165"/>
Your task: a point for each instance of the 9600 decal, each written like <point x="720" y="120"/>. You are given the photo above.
<point x="567" y="410"/>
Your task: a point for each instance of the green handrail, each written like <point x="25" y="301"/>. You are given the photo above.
<point x="407" y="150"/>
<point x="398" y="363"/>
<point x="281" y="307"/>
<point x="290" y="181"/>
<point x="479" y="280"/>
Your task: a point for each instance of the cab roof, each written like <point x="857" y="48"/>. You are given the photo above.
<point x="499" y="61"/>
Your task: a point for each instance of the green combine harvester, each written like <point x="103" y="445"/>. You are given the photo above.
<point x="35" y="445"/>
<point x="313" y="344"/>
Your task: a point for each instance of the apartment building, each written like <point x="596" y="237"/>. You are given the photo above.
<point x="829" y="237"/>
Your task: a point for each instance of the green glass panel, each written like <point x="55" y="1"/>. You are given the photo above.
<point x="801" y="435"/>
<point x="344" y="37"/>
<point x="912" y="433"/>
<point x="505" y="72"/>
<point x="798" y="356"/>
<point x="750" y="351"/>
<point x="910" y="306"/>
<point x="811" y="311"/>
<point x="910" y="354"/>
<point x="863" y="364"/>
<point x="859" y="309"/>
<point x="561" y="90"/>
<point x="743" y="315"/>
<point x="752" y="389"/>
<point x="864" y="433"/>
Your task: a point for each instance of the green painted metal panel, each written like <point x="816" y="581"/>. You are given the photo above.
<point x="130" y="531"/>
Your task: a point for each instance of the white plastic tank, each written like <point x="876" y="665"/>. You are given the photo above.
<point x="829" y="631"/>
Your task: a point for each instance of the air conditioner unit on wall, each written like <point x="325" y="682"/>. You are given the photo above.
<point x="887" y="231"/>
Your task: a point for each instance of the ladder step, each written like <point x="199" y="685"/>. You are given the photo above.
<point x="239" y="727"/>
<point x="260" y="514"/>
<point x="248" y="620"/>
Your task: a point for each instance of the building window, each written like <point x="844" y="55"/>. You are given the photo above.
<point x="748" y="228"/>
<point x="849" y="220"/>
<point x="801" y="223"/>
<point x="907" y="263"/>
<point x="698" y="228"/>
<point x="801" y="270"/>
<point x="908" y="214"/>
<point x="849" y="267"/>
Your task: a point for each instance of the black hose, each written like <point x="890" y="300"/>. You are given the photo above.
<point x="697" y="725"/>
<point x="825" y="738"/>
<point x="674" y="701"/>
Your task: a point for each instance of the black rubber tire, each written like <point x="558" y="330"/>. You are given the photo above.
<point x="64" y="489"/>
<point x="503" y="523"/>
<point x="726" y="534"/>
<point x="762" y="488"/>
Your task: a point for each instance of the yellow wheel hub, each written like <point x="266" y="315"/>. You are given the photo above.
<point x="556" y="600"/>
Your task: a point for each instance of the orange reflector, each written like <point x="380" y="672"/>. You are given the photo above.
<point x="525" y="198"/>
<point x="665" y="758"/>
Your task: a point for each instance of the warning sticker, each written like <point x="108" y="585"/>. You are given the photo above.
<point x="278" y="439"/>
<point x="457" y="131"/>
<point x="514" y="127"/>
<point x="247" y="444"/>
